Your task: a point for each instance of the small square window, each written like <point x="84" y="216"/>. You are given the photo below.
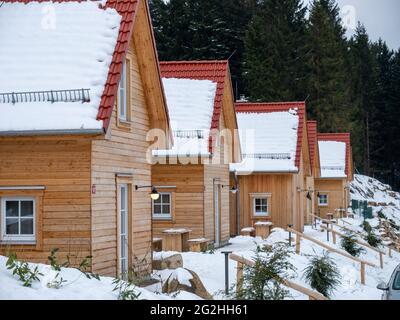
<point x="323" y="200"/>
<point x="260" y="206"/>
<point x="18" y="219"/>
<point x="162" y="207"/>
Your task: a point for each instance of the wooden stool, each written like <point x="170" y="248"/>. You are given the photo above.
<point x="198" y="245"/>
<point x="157" y="244"/>
<point x="263" y="229"/>
<point x="249" y="232"/>
<point x="176" y="240"/>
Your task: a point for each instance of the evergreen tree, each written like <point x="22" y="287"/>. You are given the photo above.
<point x="274" y="51"/>
<point x="196" y="30"/>
<point x="363" y="76"/>
<point x="328" y="82"/>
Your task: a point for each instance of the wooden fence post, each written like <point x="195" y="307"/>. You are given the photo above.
<point x="239" y="277"/>
<point x="363" y="273"/>
<point x="381" y="259"/>
<point x="298" y="238"/>
<point x="333" y="235"/>
<point x="390" y="252"/>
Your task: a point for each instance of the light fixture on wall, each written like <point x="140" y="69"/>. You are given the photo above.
<point x="308" y="196"/>
<point x="232" y="190"/>
<point x="154" y="195"/>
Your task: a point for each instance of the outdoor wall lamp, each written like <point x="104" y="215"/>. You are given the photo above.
<point x="154" y="195"/>
<point x="309" y="191"/>
<point x="232" y="190"/>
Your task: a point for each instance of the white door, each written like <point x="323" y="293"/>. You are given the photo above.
<point x="123" y="230"/>
<point x="217" y="213"/>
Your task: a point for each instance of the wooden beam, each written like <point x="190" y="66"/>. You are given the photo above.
<point x="313" y="295"/>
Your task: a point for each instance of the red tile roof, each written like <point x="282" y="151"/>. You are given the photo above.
<point x="339" y="137"/>
<point x="269" y="107"/>
<point x="127" y="9"/>
<point x="312" y="139"/>
<point x="215" y="70"/>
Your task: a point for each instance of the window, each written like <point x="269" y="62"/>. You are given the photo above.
<point x="18" y="219"/>
<point x="124" y="230"/>
<point x="260" y="206"/>
<point x="396" y="282"/>
<point x="162" y="206"/>
<point x="122" y="101"/>
<point x="323" y="200"/>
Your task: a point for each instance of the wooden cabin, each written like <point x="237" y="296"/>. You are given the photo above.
<point x="70" y="161"/>
<point x="312" y="131"/>
<point x="332" y="187"/>
<point x="272" y="176"/>
<point x="193" y="177"/>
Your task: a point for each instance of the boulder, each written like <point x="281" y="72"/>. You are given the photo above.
<point x="185" y="280"/>
<point x="173" y="261"/>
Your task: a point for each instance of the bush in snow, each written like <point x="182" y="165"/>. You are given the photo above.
<point x="322" y="274"/>
<point x="264" y="280"/>
<point x="22" y="270"/>
<point x="126" y="290"/>
<point x="349" y="243"/>
<point x="366" y="226"/>
<point x="373" y="240"/>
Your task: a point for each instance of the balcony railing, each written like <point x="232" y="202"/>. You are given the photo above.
<point x="189" y="134"/>
<point x="72" y="95"/>
<point x="270" y="156"/>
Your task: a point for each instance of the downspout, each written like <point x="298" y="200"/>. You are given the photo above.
<point x="235" y="177"/>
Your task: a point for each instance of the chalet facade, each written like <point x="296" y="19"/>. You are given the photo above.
<point x="70" y="161"/>
<point x="336" y="172"/>
<point x="193" y="177"/>
<point x="272" y="177"/>
<point x="312" y="131"/>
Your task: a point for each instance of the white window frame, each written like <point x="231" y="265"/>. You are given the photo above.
<point x="323" y="204"/>
<point x="122" y="100"/>
<point x="17" y="237"/>
<point x="260" y="214"/>
<point x="162" y="216"/>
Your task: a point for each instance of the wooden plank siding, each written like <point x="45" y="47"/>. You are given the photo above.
<point x="122" y="152"/>
<point x="338" y="196"/>
<point x="62" y="166"/>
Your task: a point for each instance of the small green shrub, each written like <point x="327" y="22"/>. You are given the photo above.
<point x="322" y="274"/>
<point x="22" y="270"/>
<point x="264" y="280"/>
<point x="367" y="227"/>
<point x="381" y="215"/>
<point x="126" y="290"/>
<point x="373" y="240"/>
<point x="349" y="244"/>
<point x="53" y="261"/>
<point x="56" y="283"/>
<point x="85" y="265"/>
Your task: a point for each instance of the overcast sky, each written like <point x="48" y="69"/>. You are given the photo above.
<point x="380" y="17"/>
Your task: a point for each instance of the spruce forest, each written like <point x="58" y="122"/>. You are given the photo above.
<point x="280" y="51"/>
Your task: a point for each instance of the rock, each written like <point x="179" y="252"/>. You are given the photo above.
<point x="161" y="262"/>
<point x="183" y="279"/>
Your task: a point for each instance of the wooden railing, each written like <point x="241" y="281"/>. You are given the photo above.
<point x="351" y="230"/>
<point x="364" y="244"/>
<point x="241" y="261"/>
<point x="363" y="263"/>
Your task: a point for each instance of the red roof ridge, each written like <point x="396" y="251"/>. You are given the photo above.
<point x="193" y="61"/>
<point x="312" y="139"/>
<point x="270" y="107"/>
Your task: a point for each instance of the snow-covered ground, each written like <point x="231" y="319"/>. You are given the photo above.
<point x="380" y="197"/>
<point x="210" y="266"/>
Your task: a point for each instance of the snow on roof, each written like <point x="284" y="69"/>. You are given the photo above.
<point x="268" y="141"/>
<point x="191" y="104"/>
<point x="332" y="158"/>
<point x="55" y="46"/>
